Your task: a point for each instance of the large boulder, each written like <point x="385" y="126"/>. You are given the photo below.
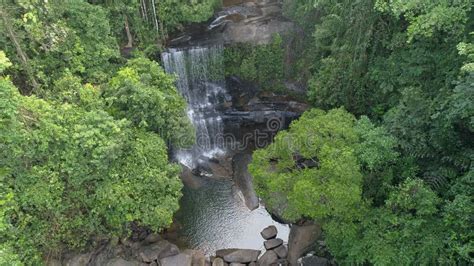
<point x="281" y="251"/>
<point x="220" y="253"/>
<point x="301" y="239"/>
<point x="242" y="256"/>
<point x="269" y="232"/>
<point x="158" y="250"/>
<point x="198" y="257"/>
<point x="273" y="243"/>
<point x="181" y="259"/>
<point x="218" y="262"/>
<point x="268" y="258"/>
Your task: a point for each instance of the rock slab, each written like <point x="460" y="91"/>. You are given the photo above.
<point x="242" y="256"/>
<point x="269" y="232"/>
<point x="273" y="243"/>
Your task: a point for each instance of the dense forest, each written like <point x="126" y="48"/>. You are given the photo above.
<point x="88" y="118"/>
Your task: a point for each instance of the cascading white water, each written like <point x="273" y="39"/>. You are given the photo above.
<point x="200" y="79"/>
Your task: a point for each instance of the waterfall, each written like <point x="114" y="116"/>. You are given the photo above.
<point x="200" y="79"/>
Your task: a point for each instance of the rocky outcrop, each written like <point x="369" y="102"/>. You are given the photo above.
<point x="244" y="180"/>
<point x="150" y="251"/>
<point x="250" y="21"/>
<point x="302" y="238"/>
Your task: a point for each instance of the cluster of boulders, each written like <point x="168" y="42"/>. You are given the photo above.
<point x="153" y="250"/>
<point x="275" y="253"/>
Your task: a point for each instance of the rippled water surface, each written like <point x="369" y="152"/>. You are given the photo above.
<point x="214" y="216"/>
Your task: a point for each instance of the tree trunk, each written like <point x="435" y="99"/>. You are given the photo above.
<point x="19" y="51"/>
<point x="129" y="35"/>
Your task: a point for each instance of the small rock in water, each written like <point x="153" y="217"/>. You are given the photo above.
<point x="273" y="243"/>
<point x="269" y="232"/>
<point x="218" y="262"/>
<point x="237" y="264"/>
<point x="281" y="251"/>
<point x="268" y="258"/>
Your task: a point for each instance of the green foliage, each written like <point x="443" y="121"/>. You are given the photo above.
<point x="61" y="38"/>
<point x="426" y="19"/>
<point x="79" y="174"/>
<point x="151" y="21"/>
<point x="408" y="66"/>
<point x="262" y="64"/>
<point x="458" y="218"/>
<point x="144" y="94"/>
<point x="4" y="62"/>
<point x="338" y="146"/>
<point x="417" y="239"/>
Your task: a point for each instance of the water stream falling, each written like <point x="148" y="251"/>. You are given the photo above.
<point x="212" y="215"/>
<point x="200" y="79"/>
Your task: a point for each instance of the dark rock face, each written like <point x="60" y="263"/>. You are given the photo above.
<point x="244" y="180"/>
<point x="254" y="22"/>
<point x="242" y="256"/>
<point x="273" y="243"/>
<point x="314" y="261"/>
<point x="268" y="258"/>
<point x="301" y="239"/>
<point x="269" y="232"/>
